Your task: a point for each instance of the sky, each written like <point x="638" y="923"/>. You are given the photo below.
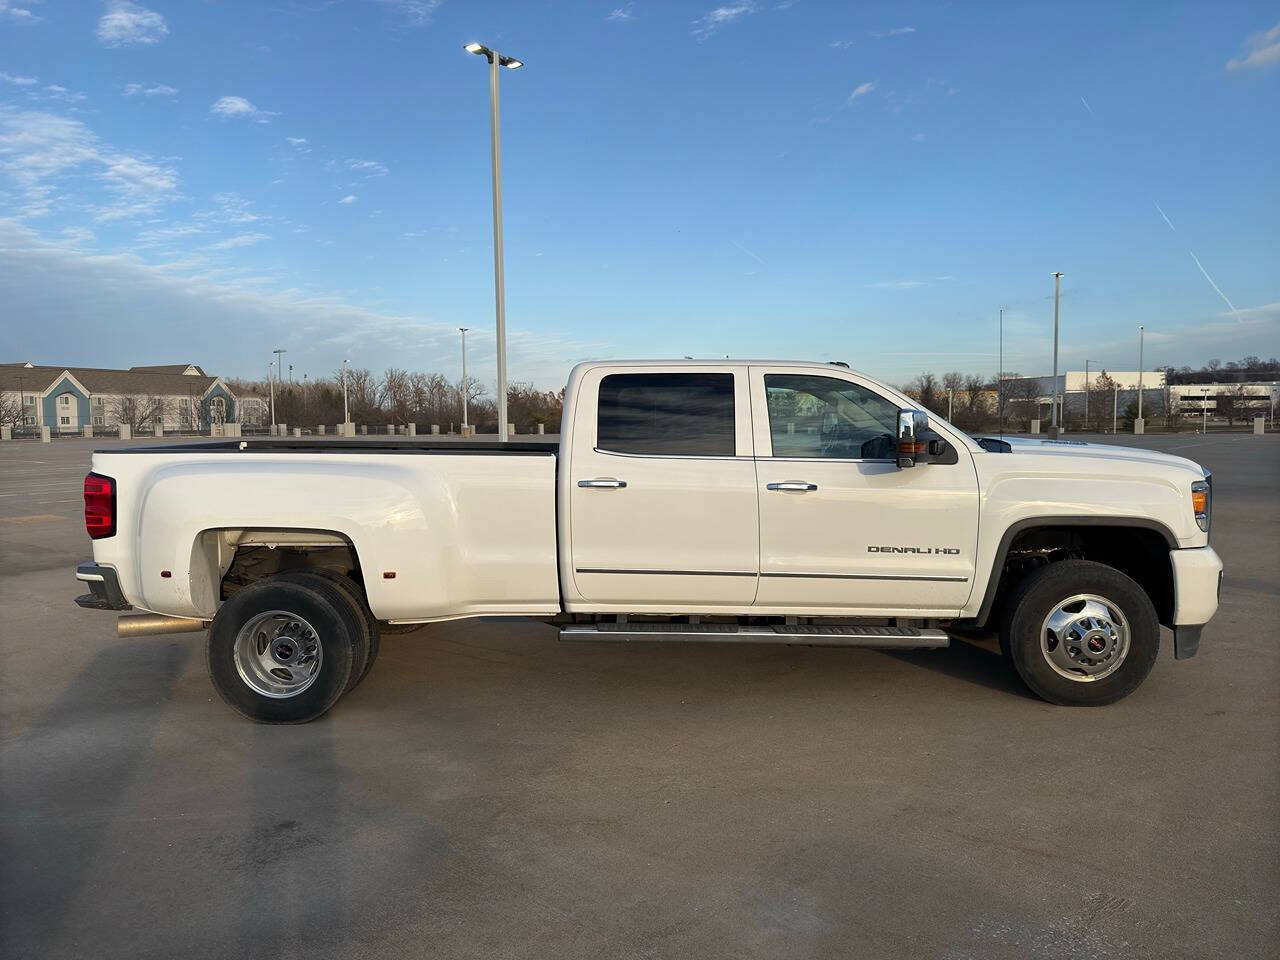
<point x="208" y="181"/>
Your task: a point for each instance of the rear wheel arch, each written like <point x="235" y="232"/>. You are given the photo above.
<point x="228" y="559"/>
<point x="1137" y="546"/>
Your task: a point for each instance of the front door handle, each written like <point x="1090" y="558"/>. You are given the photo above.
<point x="608" y="484"/>
<point x="801" y="485"/>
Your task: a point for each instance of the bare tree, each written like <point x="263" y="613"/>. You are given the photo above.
<point x="395" y="395"/>
<point x="10" y="409"/>
<point x="924" y="390"/>
<point x="137" y="410"/>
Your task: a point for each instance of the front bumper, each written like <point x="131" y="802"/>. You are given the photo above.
<point x="1197" y="582"/>
<point x="105" y="587"/>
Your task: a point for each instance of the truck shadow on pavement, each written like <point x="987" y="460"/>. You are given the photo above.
<point x="967" y="659"/>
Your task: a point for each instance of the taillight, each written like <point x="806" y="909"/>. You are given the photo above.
<point x="99" y="506"/>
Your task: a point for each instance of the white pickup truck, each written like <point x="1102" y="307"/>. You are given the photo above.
<point x="740" y="501"/>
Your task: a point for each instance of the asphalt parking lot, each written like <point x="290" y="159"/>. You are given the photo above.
<point x="489" y="792"/>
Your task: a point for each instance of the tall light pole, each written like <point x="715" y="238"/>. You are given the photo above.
<point x="1000" y="377"/>
<point x="1204" y="411"/>
<point x="271" y="384"/>
<point x="278" y="351"/>
<point x="1086" y="392"/>
<point x="1141" y="337"/>
<point x="346" y="417"/>
<point x="465" y="389"/>
<point x="1052" y="423"/>
<point x="497" y="60"/>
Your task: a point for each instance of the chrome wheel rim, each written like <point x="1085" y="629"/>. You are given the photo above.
<point x="1085" y="638"/>
<point x="278" y="654"/>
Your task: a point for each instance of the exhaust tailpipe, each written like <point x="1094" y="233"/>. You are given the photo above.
<point x="152" y="624"/>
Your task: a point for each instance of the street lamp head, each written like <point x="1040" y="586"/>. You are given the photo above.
<point x="511" y="63"/>
<point x="476" y="48"/>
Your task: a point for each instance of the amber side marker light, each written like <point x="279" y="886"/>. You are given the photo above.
<point x="1200" y="503"/>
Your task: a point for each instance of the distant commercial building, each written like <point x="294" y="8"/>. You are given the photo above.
<point x="1226" y="401"/>
<point x="67" y="399"/>
<point x="1217" y="401"/>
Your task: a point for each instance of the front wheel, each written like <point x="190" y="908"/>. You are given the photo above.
<point x="282" y="651"/>
<point x="1080" y="633"/>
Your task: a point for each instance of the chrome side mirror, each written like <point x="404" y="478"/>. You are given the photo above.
<point x="912" y="425"/>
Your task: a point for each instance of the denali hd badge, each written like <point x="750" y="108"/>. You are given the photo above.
<point x="948" y="551"/>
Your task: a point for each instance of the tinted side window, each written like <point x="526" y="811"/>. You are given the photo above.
<point x="812" y="416"/>
<point x="685" y="414"/>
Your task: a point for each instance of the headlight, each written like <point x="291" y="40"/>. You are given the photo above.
<point x="1200" y="496"/>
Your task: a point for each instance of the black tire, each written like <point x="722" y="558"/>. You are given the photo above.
<point x="323" y="607"/>
<point x="1037" y="596"/>
<point x="360" y="618"/>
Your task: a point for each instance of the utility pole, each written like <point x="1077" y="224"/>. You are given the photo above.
<point x="1086" y="391"/>
<point x="1000" y="376"/>
<point x="465" y="389"/>
<point x="1053" y="422"/>
<point x="497" y="60"/>
<point x="278" y="351"/>
<point x="1141" y="337"/>
<point x="951" y="392"/>
<point x="346" y="417"/>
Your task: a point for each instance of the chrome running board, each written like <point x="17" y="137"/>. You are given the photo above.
<point x="814" y="635"/>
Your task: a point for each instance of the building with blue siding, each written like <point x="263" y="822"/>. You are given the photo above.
<point x="68" y="399"/>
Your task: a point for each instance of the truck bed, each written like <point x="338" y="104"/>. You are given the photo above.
<point x="423" y="445"/>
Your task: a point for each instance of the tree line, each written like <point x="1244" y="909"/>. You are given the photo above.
<point x="399" y="396"/>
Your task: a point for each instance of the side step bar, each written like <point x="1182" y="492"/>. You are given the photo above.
<point x="815" y="635"/>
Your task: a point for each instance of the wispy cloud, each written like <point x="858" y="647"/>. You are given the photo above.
<point x="895" y="32"/>
<point x="151" y="90"/>
<point x="349" y="198"/>
<point x="840" y="44"/>
<point x="60" y="93"/>
<point x="1263" y="51"/>
<point x="623" y="14"/>
<point x="238" y="108"/>
<point x="710" y="22"/>
<point x="240" y="240"/>
<point x="368" y="168"/>
<point x="862" y="90"/>
<point x="416" y="13"/>
<point x="127" y="24"/>
<point x="1086" y="105"/>
<point x="56" y="285"/>
<point x="919" y="138"/>
<point x="19" y="13"/>
<point x="54" y="160"/>
<point x="18" y="81"/>
<point x="910" y="283"/>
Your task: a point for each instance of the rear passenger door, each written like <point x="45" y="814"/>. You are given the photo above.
<point x="662" y="492"/>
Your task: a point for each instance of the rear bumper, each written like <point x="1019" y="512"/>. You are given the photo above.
<point x="1197" y="582"/>
<point x="104" y="586"/>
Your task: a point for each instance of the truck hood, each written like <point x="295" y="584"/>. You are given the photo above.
<point x="1034" y="446"/>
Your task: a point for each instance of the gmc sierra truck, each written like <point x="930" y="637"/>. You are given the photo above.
<point x="731" y="501"/>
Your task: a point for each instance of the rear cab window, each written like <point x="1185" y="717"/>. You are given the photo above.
<point x="667" y="414"/>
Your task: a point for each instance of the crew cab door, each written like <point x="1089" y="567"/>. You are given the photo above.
<point x="661" y="490"/>
<point x="841" y="525"/>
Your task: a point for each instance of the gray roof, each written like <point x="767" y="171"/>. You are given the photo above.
<point x="99" y="380"/>
<point x="169" y="368"/>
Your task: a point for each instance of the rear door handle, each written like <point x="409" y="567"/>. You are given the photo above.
<point x="802" y="485"/>
<point x="608" y="484"/>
